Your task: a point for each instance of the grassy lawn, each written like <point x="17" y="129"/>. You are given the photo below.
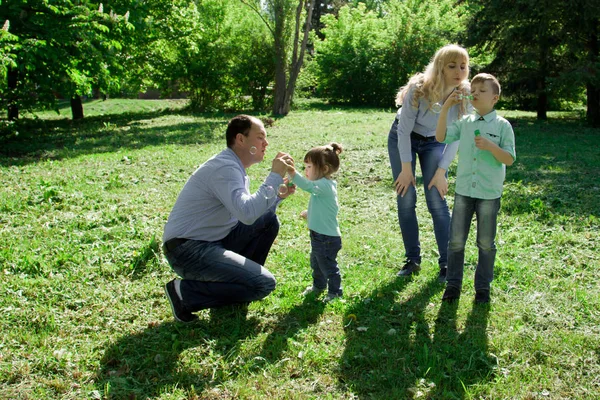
<point x="84" y="316"/>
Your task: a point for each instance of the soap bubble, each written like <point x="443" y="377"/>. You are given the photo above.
<point x="436" y="107"/>
<point x="253" y="150"/>
<point x="282" y="190"/>
<point x="269" y="192"/>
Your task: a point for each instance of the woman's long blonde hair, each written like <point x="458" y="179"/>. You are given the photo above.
<point x="430" y="84"/>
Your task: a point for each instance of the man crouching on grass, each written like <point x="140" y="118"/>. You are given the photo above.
<point x="218" y="234"/>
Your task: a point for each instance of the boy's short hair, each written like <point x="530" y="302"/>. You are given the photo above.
<point x="481" y="78"/>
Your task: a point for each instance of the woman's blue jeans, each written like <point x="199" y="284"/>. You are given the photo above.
<point x="486" y="213"/>
<point x="227" y="271"/>
<point x="429" y="155"/>
<point x="323" y="261"/>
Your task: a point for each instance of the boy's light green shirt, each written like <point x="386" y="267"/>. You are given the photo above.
<point x="323" y="205"/>
<point x="479" y="175"/>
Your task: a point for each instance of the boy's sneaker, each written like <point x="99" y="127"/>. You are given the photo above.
<point x="408" y="268"/>
<point x="313" y="291"/>
<point x="180" y="313"/>
<point x="330" y="297"/>
<point x="442" y="274"/>
<point x="482" y="296"/>
<point x="451" y="294"/>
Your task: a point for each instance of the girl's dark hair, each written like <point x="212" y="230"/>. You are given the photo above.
<point x="238" y="124"/>
<point x="325" y="156"/>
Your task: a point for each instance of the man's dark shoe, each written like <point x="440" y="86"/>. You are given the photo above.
<point x="409" y="268"/>
<point x="451" y="294"/>
<point x="180" y="313"/>
<point x="442" y="274"/>
<point x="482" y="296"/>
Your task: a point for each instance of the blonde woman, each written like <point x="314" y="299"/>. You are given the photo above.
<point x="412" y="137"/>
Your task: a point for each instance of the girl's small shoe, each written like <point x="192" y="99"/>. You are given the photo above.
<point x="331" y="297"/>
<point x="311" y="290"/>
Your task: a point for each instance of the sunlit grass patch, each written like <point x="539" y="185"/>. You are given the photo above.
<point x="82" y="209"/>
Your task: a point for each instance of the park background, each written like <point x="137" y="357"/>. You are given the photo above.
<point x="90" y="172"/>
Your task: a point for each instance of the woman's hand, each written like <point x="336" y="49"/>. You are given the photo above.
<point x="404" y="180"/>
<point x="440" y="182"/>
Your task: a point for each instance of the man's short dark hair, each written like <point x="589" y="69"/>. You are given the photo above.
<point x="238" y="124"/>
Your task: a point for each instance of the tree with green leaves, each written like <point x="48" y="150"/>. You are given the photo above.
<point x="368" y="54"/>
<point x="60" y="48"/>
<point x="541" y="51"/>
<point x="289" y="24"/>
<point x="201" y="49"/>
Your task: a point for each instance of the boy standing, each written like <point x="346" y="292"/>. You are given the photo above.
<point x="487" y="145"/>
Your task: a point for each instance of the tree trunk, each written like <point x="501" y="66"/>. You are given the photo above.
<point x="542" y="105"/>
<point x="593" y="91"/>
<point x="593" y="105"/>
<point x="13" y="108"/>
<point x="76" y="108"/>
<point x="280" y="60"/>
<point x="542" y="92"/>
<point x="284" y="93"/>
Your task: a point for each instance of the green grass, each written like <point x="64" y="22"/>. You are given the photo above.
<point x="83" y="204"/>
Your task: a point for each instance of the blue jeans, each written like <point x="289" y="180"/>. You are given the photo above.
<point x="227" y="271"/>
<point x="429" y="154"/>
<point x="486" y="213"/>
<point x="325" y="270"/>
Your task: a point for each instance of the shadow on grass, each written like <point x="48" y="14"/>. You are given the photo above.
<point x="40" y="140"/>
<point x="558" y="159"/>
<point x="146" y="364"/>
<point x="298" y="319"/>
<point x="141" y="263"/>
<point x="401" y="356"/>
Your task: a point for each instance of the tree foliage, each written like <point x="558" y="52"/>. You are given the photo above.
<point x="59" y="48"/>
<point x="366" y="57"/>
<point x="542" y="52"/>
<point x="214" y="51"/>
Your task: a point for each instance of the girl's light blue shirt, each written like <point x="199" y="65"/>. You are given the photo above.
<point x="323" y="205"/>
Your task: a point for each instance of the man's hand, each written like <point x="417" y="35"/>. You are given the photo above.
<point x="281" y="163"/>
<point x="290" y="189"/>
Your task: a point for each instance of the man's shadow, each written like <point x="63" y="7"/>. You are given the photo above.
<point x="139" y="365"/>
<point x="299" y="318"/>
<point x="393" y="352"/>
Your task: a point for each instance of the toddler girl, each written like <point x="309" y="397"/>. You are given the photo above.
<point x="325" y="237"/>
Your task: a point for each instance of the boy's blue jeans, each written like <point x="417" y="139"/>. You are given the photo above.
<point x="429" y="154"/>
<point x="325" y="270"/>
<point x="227" y="271"/>
<point x="486" y="213"/>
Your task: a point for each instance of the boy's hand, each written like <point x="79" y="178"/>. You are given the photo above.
<point x="454" y="98"/>
<point x="304" y="214"/>
<point x="484" y="143"/>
